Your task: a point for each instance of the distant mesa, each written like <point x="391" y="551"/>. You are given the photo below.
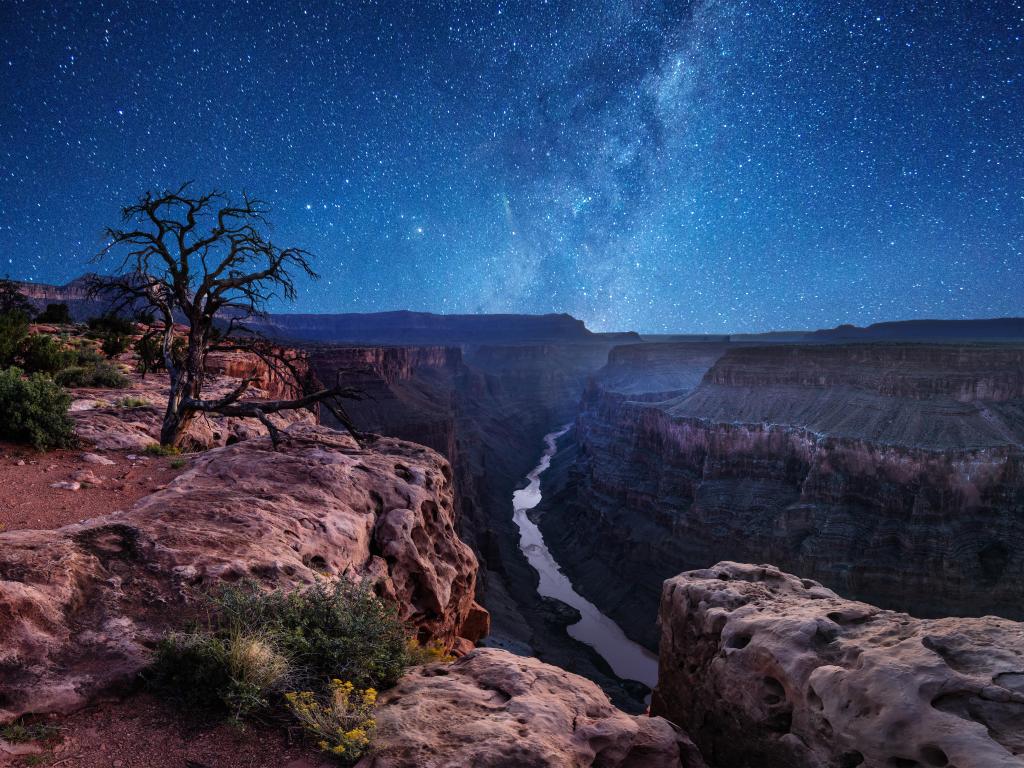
<point x="405" y="327"/>
<point x="398" y="327"/>
<point x="996" y="329"/>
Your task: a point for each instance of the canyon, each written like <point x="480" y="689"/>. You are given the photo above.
<point x="802" y="528"/>
<point x="891" y="473"/>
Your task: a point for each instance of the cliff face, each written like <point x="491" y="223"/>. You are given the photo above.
<point x="486" y="408"/>
<point x="767" y="670"/>
<point x="892" y="474"/>
<point x="80" y="605"/>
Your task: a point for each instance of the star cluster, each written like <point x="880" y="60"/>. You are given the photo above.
<point x="704" y="166"/>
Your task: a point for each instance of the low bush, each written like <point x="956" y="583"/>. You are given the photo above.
<point x="55" y="314"/>
<point x="291" y="648"/>
<point x="155" y="449"/>
<point x="237" y="674"/>
<point x="328" y="630"/>
<point x="100" y="375"/>
<point x="150" y="350"/>
<point x="22" y="731"/>
<point x="42" y="353"/>
<point x="86" y="353"/>
<point x="34" y="410"/>
<point x="130" y="402"/>
<point x="111" y="324"/>
<point x="341" y="722"/>
<point x="431" y="653"/>
<point x="13" y="330"/>
<point x="113" y="344"/>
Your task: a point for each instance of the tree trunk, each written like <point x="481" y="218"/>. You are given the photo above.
<point x="186" y="384"/>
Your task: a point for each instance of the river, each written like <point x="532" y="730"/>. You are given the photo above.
<point x="627" y="659"/>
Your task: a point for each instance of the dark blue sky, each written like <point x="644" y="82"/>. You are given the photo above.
<point x="683" y="166"/>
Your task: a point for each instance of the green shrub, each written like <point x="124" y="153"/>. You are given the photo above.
<point x="237" y="674"/>
<point x="114" y="344"/>
<point x="88" y="355"/>
<point x="34" y="410"/>
<point x="256" y="643"/>
<point x="21" y="731"/>
<point x="328" y="631"/>
<point x="130" y="402"/>
<point x="100" y="375"/>
<point x="44" y="354"/>
<point x="155" y="449"/>
<point x="13" y="330"/>
<point x="150" y="351"/>
<point x="56" y="314"/>
<point x="111" y="324"/>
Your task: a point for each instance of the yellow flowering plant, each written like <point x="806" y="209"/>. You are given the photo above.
<point x="342" y="723"/>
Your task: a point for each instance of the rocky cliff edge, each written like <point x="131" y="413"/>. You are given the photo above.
<point x="766" y="669"/>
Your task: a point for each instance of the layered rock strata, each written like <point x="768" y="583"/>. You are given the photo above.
<point x="892" y="473"/>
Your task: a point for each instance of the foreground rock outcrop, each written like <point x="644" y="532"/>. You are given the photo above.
<point x="769" y="670"/>
<point x="80" y="605"/>
<point x="491" y="709"/>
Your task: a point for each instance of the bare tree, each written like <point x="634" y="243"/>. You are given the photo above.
<point x="207" y="262"/>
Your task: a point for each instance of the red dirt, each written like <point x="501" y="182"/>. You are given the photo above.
<point x="28" y="501"/>
<point x="140" y="732"/>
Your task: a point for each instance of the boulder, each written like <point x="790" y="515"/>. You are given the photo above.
<point x="765" y="669"/>
<point x="79" y="606"/>
<point x="492" y="709"/>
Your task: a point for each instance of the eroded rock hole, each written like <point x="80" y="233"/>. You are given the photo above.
<point x="933" y="755"/>
<point x="738" y="641"/>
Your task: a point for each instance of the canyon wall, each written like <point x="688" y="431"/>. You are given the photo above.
<point x="768" y="670"/>
<point x="891" y="473"/>
<point x="486" y="408"/>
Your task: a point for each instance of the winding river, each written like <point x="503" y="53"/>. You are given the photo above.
<point x="627" y="659"/>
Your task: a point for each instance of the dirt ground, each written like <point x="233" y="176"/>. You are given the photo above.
<point x="140" y="732"/>
<point x="27" y="499"/>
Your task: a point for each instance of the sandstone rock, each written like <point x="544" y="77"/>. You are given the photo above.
<point x="492" y="709"/>
<point x="78" y="605"/>
<point x="765" y="669"/>
<point x="477" y="624"/>
<point x="94" y="458"/>
<point x="66" y="485"/>
<point x="87" y="476"/>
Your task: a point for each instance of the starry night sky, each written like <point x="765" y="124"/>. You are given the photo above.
<point x="717" y="165"/>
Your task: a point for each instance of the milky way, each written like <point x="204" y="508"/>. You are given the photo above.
<point x="698" y="166"/>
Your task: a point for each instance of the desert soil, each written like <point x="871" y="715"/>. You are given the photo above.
<point x="27" y="499"/>
<point x="141" y="732"/>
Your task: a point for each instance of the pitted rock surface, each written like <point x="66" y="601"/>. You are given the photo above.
<point x="766" y="669"/>
<point x="492" y="709"/>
